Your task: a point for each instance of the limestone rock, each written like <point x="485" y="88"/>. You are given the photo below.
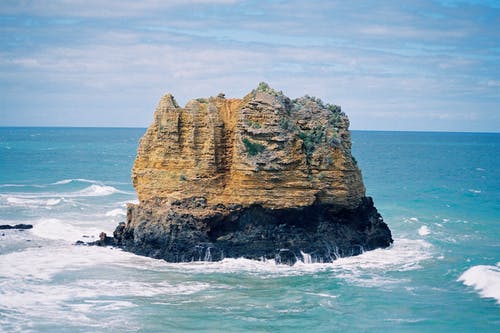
<point x="264" y="149"/>
<point x="264" y="176"/>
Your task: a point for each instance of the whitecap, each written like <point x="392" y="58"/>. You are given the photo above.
<point x="116" y="212"/>
<point x="49" y="199"/>
<point x="53" y="202"/>
<point x="471" y="190"/>
<point x="134" y="202"/>
<point x="424" y="230"/>
<point x="368" y="269"/>
<point x="485" y="279"/>
<point x="28" y="202"/>
<point x="322" y="295"/>
<point x="21" y="185"/>
<point x="43" y="263"/>
<point x="62" y="182"/>
<point x="96" y="191"/>
<point x="70" y="231"/>
<point x="413" y="219"/>
<point x="13" y="185"/>
<point x="81" y="180"/>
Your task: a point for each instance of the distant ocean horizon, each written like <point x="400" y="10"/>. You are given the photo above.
<point x="352" y="130"/>
<point x="439" y="192"/>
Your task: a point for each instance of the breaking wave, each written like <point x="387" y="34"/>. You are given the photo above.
<point x="80" y="180"/>
<point x="96" y="191"/>
<point x="485" y="279"/>
<point x="368" y="269"/>
<point x="424" y="230"/>
<point x="33" y="200"/>
<point x="116" y="212"/>
<point x="56" y="229"/>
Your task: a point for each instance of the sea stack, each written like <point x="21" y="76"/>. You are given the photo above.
<point x="262" y="177"/>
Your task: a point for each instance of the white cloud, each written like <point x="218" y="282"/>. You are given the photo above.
<point x="98" y="8"/>
<point x="381" y="64"/>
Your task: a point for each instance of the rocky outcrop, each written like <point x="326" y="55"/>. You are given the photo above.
<point x="263" y="149"/>
<point x="17" y="226"/>
<point x="259" y="177"/>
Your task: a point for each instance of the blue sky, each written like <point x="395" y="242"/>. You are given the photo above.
<point x="391" y="65"/>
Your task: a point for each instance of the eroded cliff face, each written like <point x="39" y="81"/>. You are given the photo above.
<point x="259" y="177"/>
<point x="264" y="149"/>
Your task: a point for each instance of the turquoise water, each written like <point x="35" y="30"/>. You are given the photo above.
<point x="439" y="193"/>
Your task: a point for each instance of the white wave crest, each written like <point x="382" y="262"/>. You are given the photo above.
<point x="13" y="185"/>
<point x="72" y="231"/>
<point x="31" y="199"/>
<point x="96" y="191"/>
<point x="368" y="269"/>
<point x="43" y="263"/>
<point x="30" y="202"/>
<point x="424" y="230"/>
<point x="81" y="180"/>
<point x="116" y="212"/>
<point x="60" y="182"/>
<point x="485" y="279"/>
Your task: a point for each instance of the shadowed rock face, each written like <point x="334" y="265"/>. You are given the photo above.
<point x="259" y="177"/>
<point x="190" y="231"/>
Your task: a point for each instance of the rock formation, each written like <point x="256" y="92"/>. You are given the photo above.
<point x="259" y="177"/>
<point x="17" y="226"/>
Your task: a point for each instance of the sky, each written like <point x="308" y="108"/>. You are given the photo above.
<point x="391" y="65"/>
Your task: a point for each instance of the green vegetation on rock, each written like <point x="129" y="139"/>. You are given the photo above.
<point x="253" y="124"/>
<point x="264" y="87"/>
<point x="311" y="139"/>
<point x="253" y="148"/>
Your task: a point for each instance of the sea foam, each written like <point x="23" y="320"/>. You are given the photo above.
<point x="31" y="285"/>
<point x="96" y="191"/>
<point x="81" y="180"/>
<point x="116" y="212"/>
<point x="30" y="202"/>
<point x="368" y="269"/>
<point x="424" y="230"/>
<point x="485" y="279"/>
<point x="33" y="199"/>
<point x="55" y="229"/>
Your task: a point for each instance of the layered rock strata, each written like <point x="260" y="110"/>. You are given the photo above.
<point x="259" y="177"/>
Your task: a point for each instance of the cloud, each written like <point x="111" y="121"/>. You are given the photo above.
<point x="423" y="64"/>
<point x="97" y="8"/>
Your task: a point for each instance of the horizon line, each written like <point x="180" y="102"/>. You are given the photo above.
<point x="359" y="130"/>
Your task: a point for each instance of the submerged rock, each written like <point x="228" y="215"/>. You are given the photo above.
<point x="259" y="177"/>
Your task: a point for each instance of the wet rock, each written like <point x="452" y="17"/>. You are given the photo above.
<point x="17" y="226"/>
<point x="322" y="232"/>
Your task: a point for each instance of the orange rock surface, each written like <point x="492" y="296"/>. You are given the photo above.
<point x="264" y="149"/>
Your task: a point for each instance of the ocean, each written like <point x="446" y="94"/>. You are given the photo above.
<point x="438" y="192"/>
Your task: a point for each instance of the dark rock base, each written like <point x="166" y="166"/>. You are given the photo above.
<point x="17" y="226"/>
<point x="318" y="233"/>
